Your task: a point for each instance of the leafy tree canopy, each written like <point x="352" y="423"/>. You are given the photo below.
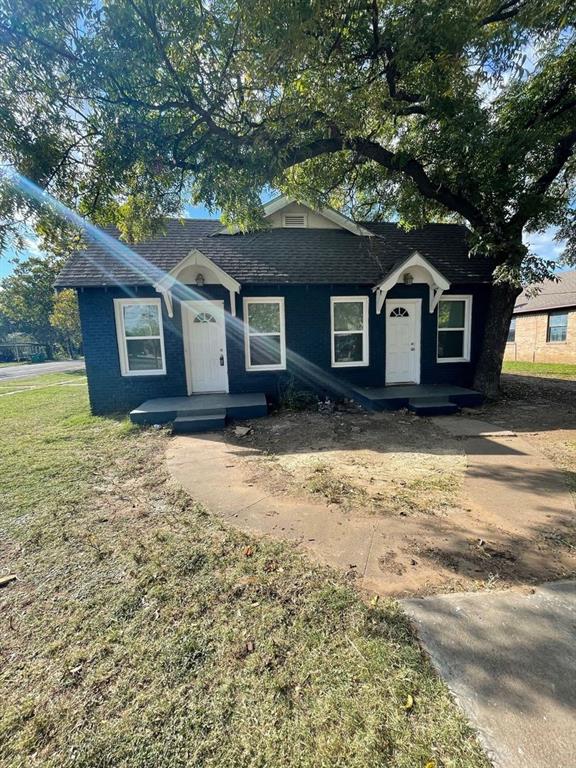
<point x="27" y="297"/>
<point x="29" y="305"/>
<point x="428" y="109"/>
<point x="66" y="320"/>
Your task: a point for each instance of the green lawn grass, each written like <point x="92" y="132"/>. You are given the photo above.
<point x="552" y="370"/>
<point x="142" y="633"/>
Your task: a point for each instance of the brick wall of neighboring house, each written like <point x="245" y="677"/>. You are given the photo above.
<point x="531" y="346"/>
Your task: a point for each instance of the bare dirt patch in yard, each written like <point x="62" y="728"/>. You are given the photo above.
<point x="382" y="463"/>
<point x="392" y="484"/>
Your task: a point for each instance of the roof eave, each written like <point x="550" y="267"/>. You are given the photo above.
<point x="282" y="201"/>
<point x="548" y="308"/>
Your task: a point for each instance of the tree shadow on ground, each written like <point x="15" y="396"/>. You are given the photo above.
<point x="515" y="651"/>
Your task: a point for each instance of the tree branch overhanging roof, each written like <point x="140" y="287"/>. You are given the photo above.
<point x="332" y="215"/>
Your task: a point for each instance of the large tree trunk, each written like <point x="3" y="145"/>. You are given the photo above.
<point x="498" y="315"/>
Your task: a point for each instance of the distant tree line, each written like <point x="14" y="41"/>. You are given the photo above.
<point x="32" y="311"/>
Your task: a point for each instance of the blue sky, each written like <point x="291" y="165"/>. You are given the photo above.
<point x="543" y="243"/>
<point x="8" y="255"/>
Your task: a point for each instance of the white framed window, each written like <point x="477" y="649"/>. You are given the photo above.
<point x="557" y="327"/>
<point x="264" y="333"/>
<point x="511" y="332"/>
<point x="140" y="337"/>
<point x="349" y="322"/>
<point x="454" y="329"/>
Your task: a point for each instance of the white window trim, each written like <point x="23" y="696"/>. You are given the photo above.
<point x="365" y="336"/>
<point x="122" y="341"/>
<point x="467" y="299"/>
<point x="281" y="366"/>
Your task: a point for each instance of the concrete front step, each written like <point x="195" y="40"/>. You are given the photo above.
<point x="201" y="423"/>
<point x="427" y="406"/>
<point x="190" y="412"/>
<point x="164" y="410"/>
<point x="392" y="397"/>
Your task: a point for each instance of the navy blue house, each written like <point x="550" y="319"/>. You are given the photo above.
<point x="314" y="301"/>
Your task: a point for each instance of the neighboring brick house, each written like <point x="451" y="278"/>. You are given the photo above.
<point x="313" y="299"/>
<point x="543" y="329"/>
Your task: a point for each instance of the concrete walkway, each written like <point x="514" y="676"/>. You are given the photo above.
<point x="509" y="656"/>
<point x="514" y="495"/>
<point x="10" y="372"/>
<point x="210" y="469"/>
<point x="510" y="660"/>
<point x="514" y="484"/>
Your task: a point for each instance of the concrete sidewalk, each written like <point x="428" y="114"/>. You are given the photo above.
<point x="510" y="656"/>
<point x="510" y="660"/>
<point x="516" y="487"/>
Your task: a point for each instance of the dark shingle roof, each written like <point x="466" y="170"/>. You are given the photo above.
<point x="277" y="255"/>
<point x="551" y="294"/>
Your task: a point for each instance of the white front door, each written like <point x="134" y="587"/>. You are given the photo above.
<point x="403" y="341"/>
<point x="205" y="346"/>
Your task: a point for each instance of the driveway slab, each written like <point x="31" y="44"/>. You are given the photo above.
<point x="510" y="661"/>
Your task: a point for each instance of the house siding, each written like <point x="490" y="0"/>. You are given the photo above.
<point x="531" y="346"/>
<point x="308" y="342"/>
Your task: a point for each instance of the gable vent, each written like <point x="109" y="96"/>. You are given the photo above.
<point x="295" y="220"/>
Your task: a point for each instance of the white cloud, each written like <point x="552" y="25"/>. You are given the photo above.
<point x="544" y="245"/>
<point x="32" y="246"/>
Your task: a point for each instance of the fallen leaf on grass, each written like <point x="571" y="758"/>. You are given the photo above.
<point x="409" y="703"/>
<point x="248" y="551"/>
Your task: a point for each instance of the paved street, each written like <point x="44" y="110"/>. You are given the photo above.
<point x="36" y="369"/>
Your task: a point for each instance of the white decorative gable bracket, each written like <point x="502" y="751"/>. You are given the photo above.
<point x="195" y="259"/>
<point x="435" y="294"/>
<point x="403" y="273"/>
<point x="167" y="296"/>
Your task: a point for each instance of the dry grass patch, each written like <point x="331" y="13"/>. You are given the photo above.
<point x="141" y="633"/>
<point x="384" y="463"/>
<point x="324" y="481"/>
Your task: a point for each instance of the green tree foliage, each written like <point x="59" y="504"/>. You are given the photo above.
<point x="6" y="327"/>
<point x="27" y="298"/>
<point x="444" y="109"/>
<point x="66" y="320"/>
